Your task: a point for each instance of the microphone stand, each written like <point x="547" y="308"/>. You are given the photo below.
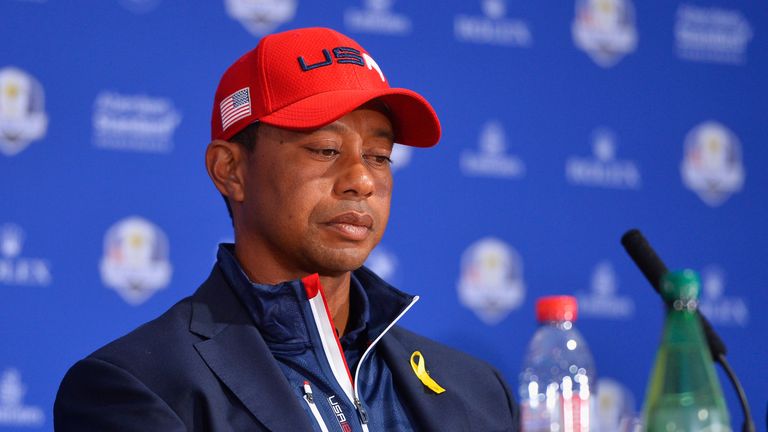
<point x="653" y="268"/>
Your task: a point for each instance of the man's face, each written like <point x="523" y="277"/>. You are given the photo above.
<point x="317" y="202"/>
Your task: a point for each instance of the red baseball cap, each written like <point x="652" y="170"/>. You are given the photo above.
<point x="307" y="78"/>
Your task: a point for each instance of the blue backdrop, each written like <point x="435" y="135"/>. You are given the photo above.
<point x="565" y="124"/>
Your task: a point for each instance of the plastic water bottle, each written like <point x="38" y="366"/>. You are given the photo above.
<point x="684" y="394"/>
<point x="557" y="384"/>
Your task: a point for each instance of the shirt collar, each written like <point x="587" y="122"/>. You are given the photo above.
<point x="276" y="309"/>
<point x="359" y="314"/>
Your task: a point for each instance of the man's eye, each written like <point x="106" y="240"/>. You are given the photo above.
<point x="379" y="160"/>
<point x="325" y="152"/>
<point x="328" y="152"/>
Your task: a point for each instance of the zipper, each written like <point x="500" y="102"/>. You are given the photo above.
<point x="309" y="398"/>
<point x="332" y="346"/>
<point x="360" y="409"/>
<point x="362" y="414"/>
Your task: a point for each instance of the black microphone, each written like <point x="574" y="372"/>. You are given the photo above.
<point x="645" y="257"/>
<point x="654" y="269"/>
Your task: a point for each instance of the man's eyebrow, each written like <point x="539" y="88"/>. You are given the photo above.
<point x="387" y="133"/>
<point x="334" y="127"/>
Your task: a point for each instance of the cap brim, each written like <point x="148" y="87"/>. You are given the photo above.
<point x="414" y="120"/>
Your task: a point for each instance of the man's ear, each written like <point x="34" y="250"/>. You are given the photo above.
<point x="224" y="161"/>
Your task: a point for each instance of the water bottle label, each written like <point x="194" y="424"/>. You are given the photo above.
<point x="575" y="414"/>
<point x="535" y="419"/>
<point x="570" y="414"/>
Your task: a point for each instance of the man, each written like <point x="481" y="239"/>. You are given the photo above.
<point x="290" y="332"/>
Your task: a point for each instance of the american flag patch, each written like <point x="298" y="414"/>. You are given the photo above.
<point x="235" y="107"/>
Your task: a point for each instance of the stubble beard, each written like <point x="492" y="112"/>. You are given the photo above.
<point x="329" y="260"/>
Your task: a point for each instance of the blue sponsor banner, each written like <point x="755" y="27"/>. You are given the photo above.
<point x="564" y="125"/>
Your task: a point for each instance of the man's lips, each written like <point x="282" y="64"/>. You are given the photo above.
<point x="352" y="225"/>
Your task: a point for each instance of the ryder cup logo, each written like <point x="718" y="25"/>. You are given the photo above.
<point x="13" y="412"/>
<point x="712" y="164"/>
<point x="603" y="301"/>
<point x="260" y="17"/>
<point x="22" y="110"/>
<point x="135" y="261"/>
<point x="377" y="18"/>
<point x="491" y="281"/>
<point x="616" y="406"/>
<point x="605" y="29"/>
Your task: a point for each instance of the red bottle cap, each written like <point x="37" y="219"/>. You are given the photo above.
<point x="556" y="308"/>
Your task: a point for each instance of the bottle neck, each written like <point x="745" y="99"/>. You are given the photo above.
<point x="560" y="324"/>
<point x="684" y="305"/>
<point x="682" y="325"/>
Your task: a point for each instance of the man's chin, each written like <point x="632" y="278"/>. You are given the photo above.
<point x="337" y="262"/>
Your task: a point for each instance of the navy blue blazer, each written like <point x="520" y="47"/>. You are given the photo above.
<point x="203" y="366"/>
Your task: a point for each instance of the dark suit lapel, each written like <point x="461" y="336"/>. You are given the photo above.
<point x="429" y="411"/>
<point x="238" y="355"/>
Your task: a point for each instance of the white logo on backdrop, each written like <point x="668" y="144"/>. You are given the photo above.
<point x="605" y="29"/>
<point x="22" y="110"/>
<point x="376" y="17"/>
<point x="134" y="122"/>
<point x="491" y="281"/>
<point x="260" y="17"/>
<point x="709" y="34"/>
<point x="493" y="28"/>
<point x="384" y="263"/>
<point x="603" y="300"/>
<point x="492" y="159"/>
<point x="718" y="308"/>
<point x="135" y="261"/>
<point x="712" y="164"/>
<point x="603" y="169"/>
<point x="13" y="412"/>
<point x="617" y="406"/>
<point x="18" y="270"/>
<point x="140" y="6"/>
<point x="401" y="156"/>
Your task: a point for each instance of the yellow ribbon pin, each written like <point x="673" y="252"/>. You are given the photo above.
<point x="420" y="369"/>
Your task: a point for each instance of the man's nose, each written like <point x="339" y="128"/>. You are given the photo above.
<point x="354" y="178"/>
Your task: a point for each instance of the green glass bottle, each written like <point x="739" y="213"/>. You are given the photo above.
<point x="684" y="394"/>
